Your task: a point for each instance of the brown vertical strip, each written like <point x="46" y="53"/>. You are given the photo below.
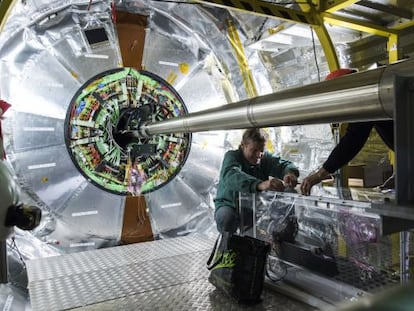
<point x="136" y="225"/>
<point x="131" y="37"/>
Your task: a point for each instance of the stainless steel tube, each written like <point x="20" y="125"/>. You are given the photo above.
<point x="358" y="97"/>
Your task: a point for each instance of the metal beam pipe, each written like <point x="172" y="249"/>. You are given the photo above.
<point x="361" y="96"/>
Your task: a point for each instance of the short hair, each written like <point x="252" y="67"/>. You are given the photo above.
<point x="254" y="135"/>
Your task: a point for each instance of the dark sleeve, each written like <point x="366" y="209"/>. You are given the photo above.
<point x="385" y="130"/>
<point x="348" y="147"/>
<point x="233" y="176"/>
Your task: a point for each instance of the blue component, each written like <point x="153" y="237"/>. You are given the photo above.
<point x="80" y="107"/>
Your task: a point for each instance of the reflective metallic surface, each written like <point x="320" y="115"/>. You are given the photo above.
<point x="45" y="57"/>
<point x="358" y="97"/>
<point x="399" y="299"/>
<point x="162" y="275"/>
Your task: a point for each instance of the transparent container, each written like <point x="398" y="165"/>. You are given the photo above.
<point x="328" y="247"/>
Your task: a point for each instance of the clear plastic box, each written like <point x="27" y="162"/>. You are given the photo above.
<point x="329" y="247"/>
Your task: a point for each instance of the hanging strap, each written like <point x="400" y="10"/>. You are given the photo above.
<point x="213" y="252"/>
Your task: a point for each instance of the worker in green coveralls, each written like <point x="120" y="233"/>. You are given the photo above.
<point x="249" y="169"/>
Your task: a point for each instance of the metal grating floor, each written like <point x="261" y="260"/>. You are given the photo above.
<point x="369" y="281"/>
<point x="163" y="275"/>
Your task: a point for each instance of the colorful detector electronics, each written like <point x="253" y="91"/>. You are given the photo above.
<point x="101" y="129"/>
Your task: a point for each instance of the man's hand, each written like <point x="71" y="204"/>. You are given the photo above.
<point x="290" y="180"/>
<point x="272" y="185"/>
<point x="312" y="179"/>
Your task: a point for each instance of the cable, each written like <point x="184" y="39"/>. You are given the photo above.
<point x="259" y="34"/>
<point x="14" y="246"/>
<point x="314" y="54"/>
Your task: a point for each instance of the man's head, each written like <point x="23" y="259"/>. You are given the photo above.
<point x="252" y="145"/>
<point x="339" y="73"/>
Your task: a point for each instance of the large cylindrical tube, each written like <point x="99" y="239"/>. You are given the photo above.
<point x="358" y="97"/>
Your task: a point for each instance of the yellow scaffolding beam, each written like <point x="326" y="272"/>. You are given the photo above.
<point x="241" y="59"/>
<point x="328" y="47"/>
<point x="315" y="13"/>
<point x="392" y="48"/>
<point x="5" y="7"/>
<point x="334" y="5"/>
<point x="262" y="8"/>
<point x="403" y="26"/>
<point x="357" y="25"/>
<point x="323" y="35"/>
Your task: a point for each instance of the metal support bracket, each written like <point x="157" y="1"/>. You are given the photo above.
<point x="404" y="140"/>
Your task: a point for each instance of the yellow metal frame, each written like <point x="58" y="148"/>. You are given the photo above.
<point x="403" y="26"/>
<point x="392" y="48"/>
<point x="308" y="16"/>
<point x="241" y="59"/>
<point x="262" y="8"/>
<point x="334" y="5"/>
<point x="391" y="33"/>
<point x="5" y="8"/>
<point x="316" y="13"/>
<point x="357" y="25"/>
<point x="323" y="35"/>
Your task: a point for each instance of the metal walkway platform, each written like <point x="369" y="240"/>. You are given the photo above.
<point x="163" y="275"/>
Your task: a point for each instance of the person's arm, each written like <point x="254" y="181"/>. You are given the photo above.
<point x="348" y="147"/>
<point x="233" y="176"/>
<point x="312" y="179"/>
<point x="284" y="170"/>
<point x="236" y="180"/>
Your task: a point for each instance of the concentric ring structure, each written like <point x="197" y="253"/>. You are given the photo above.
<point x="100" y="116"/>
